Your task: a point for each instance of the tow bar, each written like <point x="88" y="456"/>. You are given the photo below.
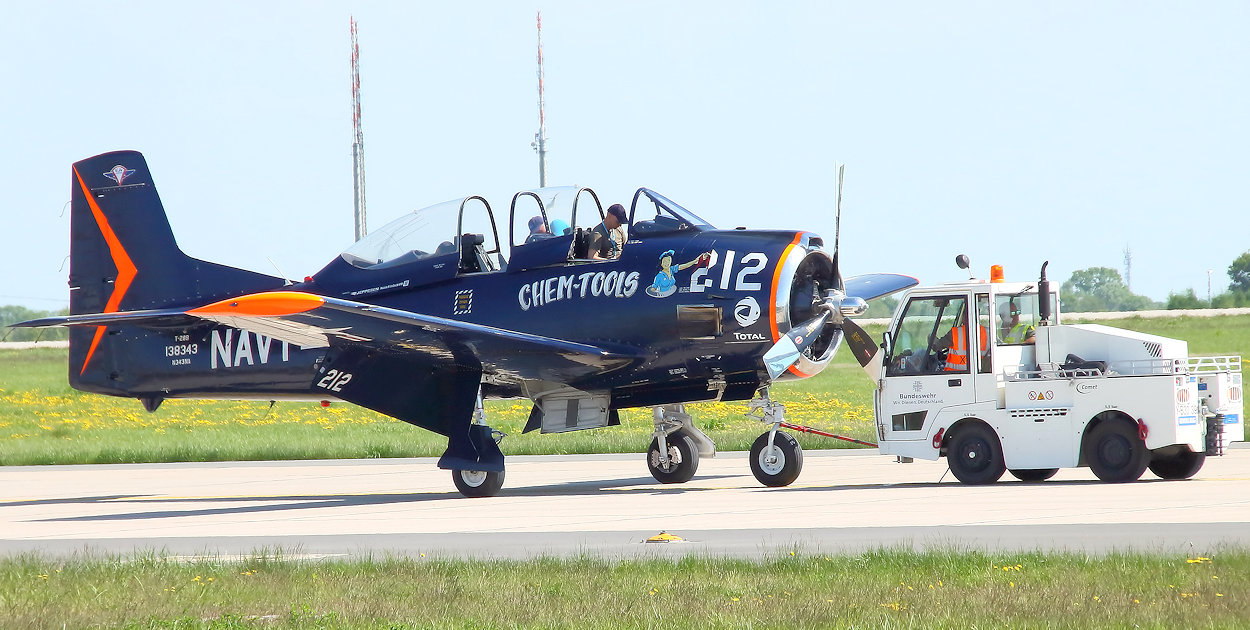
<point x="803" y="429"/>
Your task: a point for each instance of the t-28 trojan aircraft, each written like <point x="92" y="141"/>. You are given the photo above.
<point x="425" y="317"/>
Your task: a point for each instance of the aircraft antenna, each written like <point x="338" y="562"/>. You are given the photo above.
<point x="1128" y="268"/>
<point x="837" y="206"/>
<point x="540" y="138"/>
<point x="358" y="141"/>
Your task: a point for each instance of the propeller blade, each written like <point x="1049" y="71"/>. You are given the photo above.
<point x="866" y="352"/>
<point x="862" y="345"/>
<point x="837" y="228"/>
<point x="790" y="347"/>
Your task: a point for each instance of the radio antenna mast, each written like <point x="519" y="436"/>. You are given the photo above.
<point x="358" y="140"/>
<point x="540" y="138"/>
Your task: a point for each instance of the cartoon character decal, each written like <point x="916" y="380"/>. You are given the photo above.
<point x="665" y="284"/>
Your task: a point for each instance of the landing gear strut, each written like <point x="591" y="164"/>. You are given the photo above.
<point x="776" y="457"/>
<point x="480" y="483"/>
<point x="676" y="445"/>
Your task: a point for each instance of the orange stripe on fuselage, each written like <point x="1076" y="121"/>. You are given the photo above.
<point x="270" y="304"/>
<point x="772" y="300"/>
<point x="126" y="270"/>
<point x="772" y="295"/>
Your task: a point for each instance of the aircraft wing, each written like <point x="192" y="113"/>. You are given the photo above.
<point x="314" y="321"/>
<point x="871" y="286"/>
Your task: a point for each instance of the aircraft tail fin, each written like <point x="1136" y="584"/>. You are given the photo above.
<point x="123" y="256"/>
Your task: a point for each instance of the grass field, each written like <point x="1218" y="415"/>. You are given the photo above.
<point x="879" y="589"/>
<point x="43" y="421"/>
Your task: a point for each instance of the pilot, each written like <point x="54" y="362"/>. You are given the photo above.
<point x="560" y="228"/>
<point x="607" y="238"/>
<point x="1012" y="330"/>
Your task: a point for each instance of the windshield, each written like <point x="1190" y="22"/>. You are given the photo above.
<point x="430" y="231"/>
<point x="929" y="328"/>
<point x="652" y="208"/>
<point x="1017" y="318"/>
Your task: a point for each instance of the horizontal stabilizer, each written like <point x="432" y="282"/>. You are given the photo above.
<point x="165" y="316"/>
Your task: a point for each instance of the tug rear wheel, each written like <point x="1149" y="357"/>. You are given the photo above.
<point x="1034" y="474"/>
<point x="477" y="483"/>
<point x="1180" y="465"/>
<point x="780" y="465"/>
<point x="1115" y="452"/>
<point x="683" y="459"/>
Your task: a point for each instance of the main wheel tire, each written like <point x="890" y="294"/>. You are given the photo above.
<point x="683" y="459"/>
<point x="975" y="455"/>
<point x="1181" y="465"/>
<point x="477" y="483"/>
<point x="1115" y="452"/>
<point x="1034" y="474"/>
<point x="778" y="466"/>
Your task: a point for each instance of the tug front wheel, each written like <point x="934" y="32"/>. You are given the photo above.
<point x="777" y="466"/>
<point x="975" y="455"/>
<point x="683" y="459"/>
<point x="477" y="483"/>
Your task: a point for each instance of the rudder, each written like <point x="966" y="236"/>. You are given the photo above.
<point x="123" y="256"/>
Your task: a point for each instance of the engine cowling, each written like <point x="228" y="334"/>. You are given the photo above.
<point x="807" y="276"/>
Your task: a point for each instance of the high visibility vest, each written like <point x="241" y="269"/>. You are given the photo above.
<point x="1018" y="333"/>
<point x="957" y="354"/>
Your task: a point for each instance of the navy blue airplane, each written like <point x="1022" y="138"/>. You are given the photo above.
<point x="423" y="318"/>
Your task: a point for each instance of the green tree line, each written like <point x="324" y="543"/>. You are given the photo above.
<point x="1103" y="289"/>
<point x="15" y="314"/>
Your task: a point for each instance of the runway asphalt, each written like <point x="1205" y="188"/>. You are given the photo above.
<point x="607" y="505"/>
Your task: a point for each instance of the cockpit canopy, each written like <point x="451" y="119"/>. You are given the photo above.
<point x="431" y="231"/>
<point x="438" y="230"/>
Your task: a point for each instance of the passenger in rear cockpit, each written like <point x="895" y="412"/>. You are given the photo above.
<point x="538" y="230"/>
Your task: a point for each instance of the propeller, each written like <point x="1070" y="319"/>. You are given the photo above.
<point x="833" y="309"/>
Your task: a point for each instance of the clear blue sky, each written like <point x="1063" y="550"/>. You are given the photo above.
<point x="1014" y="132"/>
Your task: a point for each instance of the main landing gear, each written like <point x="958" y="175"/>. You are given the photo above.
<point x="480" y="483"/>
<point x="676" y="445"/>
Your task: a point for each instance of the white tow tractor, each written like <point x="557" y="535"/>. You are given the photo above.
<point x="1015" y="390"/>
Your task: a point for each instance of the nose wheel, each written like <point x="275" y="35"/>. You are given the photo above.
<point x="776" y="457"/>
<point x="777" y="463"/>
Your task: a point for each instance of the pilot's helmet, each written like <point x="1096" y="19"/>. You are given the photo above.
<point x="559" y="227"/>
